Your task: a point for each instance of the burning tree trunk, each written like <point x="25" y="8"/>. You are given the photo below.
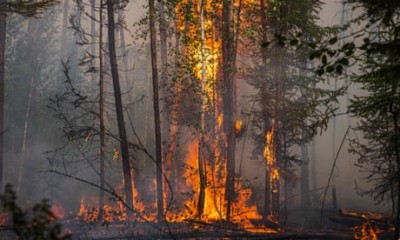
<point x="3" y="18"/>
<point x="157" y="123"/>
<point x="201" y="157"/>
<point x="229" y="100"/>
<point x="126" y="166"/>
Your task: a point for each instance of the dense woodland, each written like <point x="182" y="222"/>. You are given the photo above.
<point x="197" y="114"/>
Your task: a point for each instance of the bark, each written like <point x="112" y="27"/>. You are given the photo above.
<point x="164" y="88"/>
<point x="3" y="18"/>
<point x="32" y="30"/>
<point x="267" y="195"/>
<point x="124" y="53"/>
<point x="93" y="32"/>
<point x="313" y="162"/>
<point x="304" y="185"/>
<point x="264" y="25"/>
<point x="101" y="114"/>
<point x="396" y="143"/>
<point x="163" y="41"/>
<point x="267" y="187"/>
<point x="157" y="122"/>
<point x="229" y="100"/>
<point x="202" y="144"/>
<point x="64" y="29"/>
<point x="173" y="125"/>
<point x="126" y="166"/>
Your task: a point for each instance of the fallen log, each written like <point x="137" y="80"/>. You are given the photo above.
<point x="380" y="217"/>
<point x="380" y="223"/>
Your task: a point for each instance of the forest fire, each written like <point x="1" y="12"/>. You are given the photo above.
<point x="199" y="119"/>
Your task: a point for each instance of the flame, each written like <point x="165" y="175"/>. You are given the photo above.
<point x="58" y="211"/>
<point x="87" y="213"/>
<point x="189" y="29"/>
<point x="365" y="232"/>
<point x="215" y="202"/>
<point x="238" y="126"/>
<point x="272" y="168"/>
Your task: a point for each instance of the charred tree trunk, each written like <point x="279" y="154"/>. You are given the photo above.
<point x="267" y="127"/>
<point x="3" y="18"/>
<point x="101" y="113"/>
<point x="157" y="122"/>
<point x="397" y="149"/>
<point x="126" y="165"/>
<point x="267" y="195"/>
<point x="396" y="143"/>
<point x="228" y="68"/>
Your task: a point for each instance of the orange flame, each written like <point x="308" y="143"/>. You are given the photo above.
<point x="58" y="211"/>
<point x="365" y="232"/>
<point x="272" y="168"/>
<point x="238" y="126"/>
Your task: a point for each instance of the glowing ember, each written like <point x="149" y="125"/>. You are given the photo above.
<point x="4" y="218"/>
<point x="239" y="128"/>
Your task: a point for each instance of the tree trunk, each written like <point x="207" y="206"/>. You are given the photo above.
<point x="93" y="32"/>
<point x="64" y="29"/>
<point x="304" y="184"/>
<point x="164" y="89"/>
<point x="202" y="143"/>
<point x="396" y="143"/>
<point x="32" y="30"/>
<point x="397" y="152"/>
<point x="3" y="18"/>
<point x="157" y="122"/>
<point x="229" y="100"/>
<point x="126" y="166"/>
<point x="173" y="125"/>
<point x="101" y="113"/>
<point x="129" y="84"/>
<point x="267" y="187"/>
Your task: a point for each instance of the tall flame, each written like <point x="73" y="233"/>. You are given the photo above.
<point x="273" y="171"/>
